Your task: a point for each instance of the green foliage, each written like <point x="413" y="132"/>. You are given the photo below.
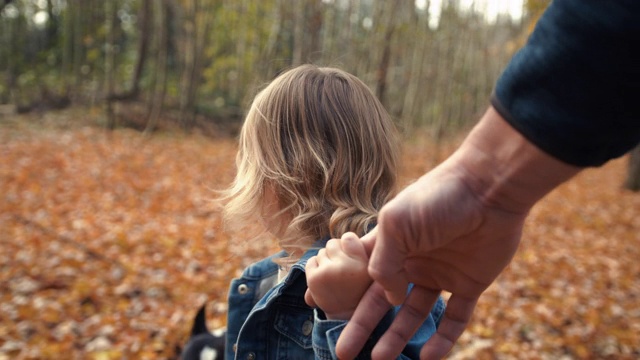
<point x="232" y="56"/>
<point x="236" y="46"/>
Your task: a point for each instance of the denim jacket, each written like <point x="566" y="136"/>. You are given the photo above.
<point x="268" y="319"/>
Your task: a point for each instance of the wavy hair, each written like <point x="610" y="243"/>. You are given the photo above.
<point x="320" y="142"/>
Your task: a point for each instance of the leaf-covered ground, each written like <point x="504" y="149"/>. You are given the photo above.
<point x="109" y="243"/>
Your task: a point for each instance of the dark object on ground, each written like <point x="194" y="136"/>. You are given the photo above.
<point x="204" y="344"/>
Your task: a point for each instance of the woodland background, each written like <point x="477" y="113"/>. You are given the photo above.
<point x="197" y="62"/>
<point x="117" y="122"/>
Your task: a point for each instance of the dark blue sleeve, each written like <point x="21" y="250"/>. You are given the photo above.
<point x="574" y="88"/>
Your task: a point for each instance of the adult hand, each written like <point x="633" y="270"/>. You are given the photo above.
<point x="454" y="229"/>
<point x="462" y="245"/>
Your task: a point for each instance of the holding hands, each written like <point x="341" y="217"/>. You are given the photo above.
<point x="454" y="229"/>
<point x="337" y="277"/>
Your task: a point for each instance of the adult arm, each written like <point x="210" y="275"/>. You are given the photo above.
<point x="573" y="88"/>
<point x="570" y="92"/>
<point x="454" y="229"/>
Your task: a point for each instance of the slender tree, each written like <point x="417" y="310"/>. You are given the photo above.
<point x="416" y="70"/>
<point x="633" y="174"/>
<point x="161" y="19"/>
<point x="109" y="61"/>
<point x="142" y="47"/>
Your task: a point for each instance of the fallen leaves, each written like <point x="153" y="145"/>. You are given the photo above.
<point x="110" y="243"/>
<point x="572" y="290"/>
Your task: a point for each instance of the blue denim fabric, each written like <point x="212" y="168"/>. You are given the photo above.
<point x="270" y="320"/>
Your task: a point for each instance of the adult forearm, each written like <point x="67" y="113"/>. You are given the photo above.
<point x="505" y="169"/>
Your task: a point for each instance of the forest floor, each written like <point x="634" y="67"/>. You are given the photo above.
<point x="109" y="243"/>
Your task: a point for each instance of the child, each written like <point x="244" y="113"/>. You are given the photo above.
<point x="317" y="158"/>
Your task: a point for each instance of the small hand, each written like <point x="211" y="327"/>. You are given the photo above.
<point x="337" y="277"/>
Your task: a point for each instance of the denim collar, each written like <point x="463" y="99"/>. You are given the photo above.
<point x="312" y="251"/>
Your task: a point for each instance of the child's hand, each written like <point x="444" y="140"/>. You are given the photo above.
<point x="337" y="277"/>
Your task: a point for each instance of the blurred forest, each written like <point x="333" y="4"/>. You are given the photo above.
<point x="198" y="62"/>
<point x="109" y="242"/>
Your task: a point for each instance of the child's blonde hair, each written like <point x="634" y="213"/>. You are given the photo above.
<point x="321" y="142"/>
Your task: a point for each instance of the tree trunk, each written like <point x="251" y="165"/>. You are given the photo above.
<point x="109" y="61"/>
<point x="329" y="35"/>
<point x="314" y="26"/>
<point x="78" y="47"/>
<point x="633" y="175"/>
<point x="11" y="34"/>
<point x="237" y="82"/>
<point x="385" y="58"/>
<point x="269" y="69"/>
<point x="344" y="39"/>
<point x="298" y="34"/>
<point x="157" y="98"/>
<point x="415" y="74"/>
<point x="190" y="54"/>
<point x="198" y="37"/>
<point x="67" y="46"/>
<point x="143" y="46"/>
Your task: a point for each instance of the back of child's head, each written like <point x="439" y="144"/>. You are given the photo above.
<point x="319" y="142"/>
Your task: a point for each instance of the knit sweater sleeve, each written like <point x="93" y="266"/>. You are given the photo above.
<point x="574" y="88"/>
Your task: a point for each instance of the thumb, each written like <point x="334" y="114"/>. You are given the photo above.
<point x="386" y="266"/>
<point x="354" y="248"/>
<point x="308" y="298"/>
<point x="369" y="241"/>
